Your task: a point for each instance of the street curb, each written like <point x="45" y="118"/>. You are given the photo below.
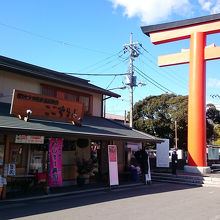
<point x="70" y="193"/>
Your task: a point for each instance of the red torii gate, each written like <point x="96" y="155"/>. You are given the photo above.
<point x="196" y="29"/>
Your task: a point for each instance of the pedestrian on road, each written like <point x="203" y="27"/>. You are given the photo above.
<point x="174" y="161"/>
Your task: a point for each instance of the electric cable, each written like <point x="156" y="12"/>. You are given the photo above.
<point x="154" y="61"/>
<point x="167" y="76"/>
<point x="51" y="39"/>
<point x="152" y="81"/>
<point x="98" y="74"/>
<point x="100" y="61"/>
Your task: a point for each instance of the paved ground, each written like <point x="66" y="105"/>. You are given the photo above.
<point x="157" y="201"/>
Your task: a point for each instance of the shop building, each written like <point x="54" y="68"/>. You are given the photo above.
<point x="39" y="105"/>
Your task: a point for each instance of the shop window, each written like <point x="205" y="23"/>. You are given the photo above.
<point x="85" y="101"/>
<point x="60" y="95"/>
<point x="71" y="97"/>
<point x="48" y="91"/>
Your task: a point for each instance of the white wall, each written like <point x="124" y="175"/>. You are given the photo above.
<point x="10" y="81"/>
<point x="97" y="105"/>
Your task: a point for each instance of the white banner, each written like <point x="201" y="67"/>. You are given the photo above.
<point x="163" y="154"/>
<point x="148" y="175"/>
<point x="113" y="165"/>
<point x="24" y="139"/>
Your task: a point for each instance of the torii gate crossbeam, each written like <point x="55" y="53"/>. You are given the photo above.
<point x="196" y="29"/>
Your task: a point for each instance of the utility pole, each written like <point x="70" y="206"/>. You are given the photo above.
<point x="131" y="80"/>
<point x="176" y="134"/>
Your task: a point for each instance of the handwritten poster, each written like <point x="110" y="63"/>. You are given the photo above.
<point x="11" y="169"/>
<point x="113" y="165"/>
<point x="55" y="162"/>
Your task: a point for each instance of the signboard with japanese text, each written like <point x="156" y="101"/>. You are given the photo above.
<point x="26" y="139"/>
<point x="113" y="165"/>
<point x="11" y="169"/>
<point x="45" y="107"/>
<point x="55" y="162"/>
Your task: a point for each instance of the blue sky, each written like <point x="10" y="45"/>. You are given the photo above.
<point x="88" y="37"/>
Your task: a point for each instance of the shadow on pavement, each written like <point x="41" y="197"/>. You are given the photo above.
<point x="16" y="209"/>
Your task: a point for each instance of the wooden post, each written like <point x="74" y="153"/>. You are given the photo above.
<point x="5" y="164"/>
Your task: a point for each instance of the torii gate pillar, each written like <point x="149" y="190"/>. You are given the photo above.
<point x="196" y="29"/>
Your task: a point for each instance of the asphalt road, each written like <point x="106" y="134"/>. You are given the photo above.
<point x="161" y="201"/>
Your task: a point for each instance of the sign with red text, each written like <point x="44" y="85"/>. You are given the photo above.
<point x="27" y="139"/>
<point x="113" y="165"/>
<point x="55" y="162"/>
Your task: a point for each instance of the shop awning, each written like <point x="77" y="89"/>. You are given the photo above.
<point x="92" y="127"/>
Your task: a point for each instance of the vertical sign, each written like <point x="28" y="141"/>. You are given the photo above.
<point x="163" y="154"/>
<point x="11" y="169"/>
<point x="113" y="165"/>
<point x="55" y="162"/>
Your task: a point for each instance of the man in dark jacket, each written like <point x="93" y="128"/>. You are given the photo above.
<point x="174" y="161"/>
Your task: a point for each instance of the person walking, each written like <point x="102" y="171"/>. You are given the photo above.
<point x="174" y="161"/>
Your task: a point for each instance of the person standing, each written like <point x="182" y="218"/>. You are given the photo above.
<point x="174" y="161"/>
<point x="142" y="158"/>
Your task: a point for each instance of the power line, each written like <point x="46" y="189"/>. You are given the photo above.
<point x="51" y="39"/>
<point x="111" y="82"/>
<point x="154" y="61"/>
<point x="111" y="67"/>
<point x="98" y="74"/>
<point x="152" y="81"/>
<point x="105" y="64"/>
<point x="167" y="76"/>
<point x="101" y="60"/>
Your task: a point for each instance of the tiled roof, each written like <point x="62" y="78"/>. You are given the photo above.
<point x="92" y="127"/>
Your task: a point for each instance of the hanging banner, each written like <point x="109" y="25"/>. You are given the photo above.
<point x="113" y="165"/>
<point x="55" y="162"/>
<point x="148" y="175"/>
